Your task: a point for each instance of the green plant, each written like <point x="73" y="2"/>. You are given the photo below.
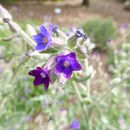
<point x="100" y="32"/>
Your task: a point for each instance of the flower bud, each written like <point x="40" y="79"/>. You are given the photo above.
<point x="81" y="51"/>
<point x="55" y="29"/>
<point x="79" y="33"/>
<point x="72" y="41"/>
<point x="87" y="101"/>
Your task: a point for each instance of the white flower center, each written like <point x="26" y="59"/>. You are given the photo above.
<point x="43" y="75"/>
<point x="66" y="63"/>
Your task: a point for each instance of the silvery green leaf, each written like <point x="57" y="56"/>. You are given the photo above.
<point x="4" y="13"/>
<point x="30" y="30"/>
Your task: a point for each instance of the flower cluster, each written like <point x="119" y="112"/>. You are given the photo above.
<point x="65" y="61"/>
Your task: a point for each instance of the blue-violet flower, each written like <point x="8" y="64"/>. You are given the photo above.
<point x="66" y="64"/>
<point x="75" y="125"/>
<point x="43" y="39"/>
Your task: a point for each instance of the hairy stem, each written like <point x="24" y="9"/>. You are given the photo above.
<point x="84" y="107"/>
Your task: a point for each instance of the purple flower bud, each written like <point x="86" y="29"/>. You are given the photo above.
<point x="55" y="29"/>
<point x="79" y="33"/>
<point x="41" y="77"/>
<point x="75" y="125"/>
<point x="43" y="39"/>
<point x="66" y="64"/>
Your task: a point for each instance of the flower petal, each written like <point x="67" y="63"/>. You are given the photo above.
<point x="75" y="65"/>
<point x="34" y="72"/>
<point x="57" y="72"/>
<point x="43" y="30"/>
<point x="60" y="67"/>
<point x="38" y="80"/>
<point x="67" y="72"/>
<point x="37" y="38"/>
<point x="40" y="47"/>
<point x="75" y="125"/>
<point x="51" y="26"/>
<point x="71" y="55"/>
<point x="46" y="84"/>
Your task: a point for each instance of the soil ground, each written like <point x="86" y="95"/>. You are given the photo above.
<point x="72" y="11"/>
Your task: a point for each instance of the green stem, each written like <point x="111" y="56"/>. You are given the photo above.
<point x="84" y="107"/>
<point x="88" y="88"/>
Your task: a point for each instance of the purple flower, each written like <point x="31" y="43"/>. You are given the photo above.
<point x="66" y="64"/>
<point x="75" y="125"/>
<point x="43" y="39"/>
<point x="41" y="77"/>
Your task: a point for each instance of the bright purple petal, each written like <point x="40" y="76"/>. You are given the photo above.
<point x="47" y="45"/>
<point x="57" y="72"/>
<point x="60" y="67"/>
<point x="51" y="26"/>
<point x="43" y="31"/>
<point x="75" y="65"/>
<point x="40" y="47"/>
<point x="60" y="58"/>
<point x="67" y="72"/>
<point x="37" y="38"/>
<point x="71" y="55"/>
<point x="75" y="125"/>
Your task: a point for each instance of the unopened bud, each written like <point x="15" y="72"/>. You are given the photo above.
<point x="55" y="29"/>
<point x="81" y="51"/>
<point x="72" y="41"/>
<point x="79" y="33"/>
<point x="87" y="101"/>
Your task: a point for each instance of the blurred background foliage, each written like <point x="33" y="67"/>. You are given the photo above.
<point x="100" y="31"/>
